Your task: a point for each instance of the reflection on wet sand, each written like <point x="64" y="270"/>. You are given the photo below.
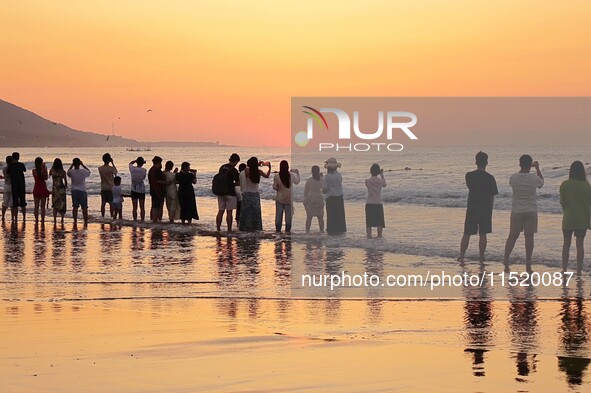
<point x="523" y="321"/>
<point x="574" y="336"/>
<point x="478" y="317"/>
<point x="374" y="264"/>
<point x="245" y="282"/>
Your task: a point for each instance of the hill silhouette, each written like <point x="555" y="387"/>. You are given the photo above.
<point x="22" y="128"/>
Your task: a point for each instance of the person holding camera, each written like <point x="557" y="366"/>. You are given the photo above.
<point x="250" y="214"/>
<point x="186" y="194"/>
<point x="524" y="210"/>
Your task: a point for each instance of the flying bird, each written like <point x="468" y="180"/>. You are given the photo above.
<point x="55" y="124"/>
<point x="149" y="110"/>
<point x="21" y="123"/>
<point x="108" y="136"/>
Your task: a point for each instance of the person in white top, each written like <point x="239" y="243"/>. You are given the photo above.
<point x="7" y="197"/>
<point x="313" y="200"/>
<point x="374" y="209"/>
<point x="138" y="188"/>
<point x="78" y="172"/>
<point x="283" y="183"/>
<point x="117" y="199"/>
<point x="524" y="210"/>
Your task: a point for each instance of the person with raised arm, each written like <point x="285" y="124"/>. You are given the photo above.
<point x="524" y="209"/>
<point x="78" y="172"/>
<point x="374" y="208"/>
<point x="138" y="188"/>
<point x="250" y="214"/>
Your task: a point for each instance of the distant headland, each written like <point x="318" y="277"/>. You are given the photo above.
<point x="22" y="128"/>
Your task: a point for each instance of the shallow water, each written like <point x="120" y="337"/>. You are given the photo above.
<point x="174" y="309"/>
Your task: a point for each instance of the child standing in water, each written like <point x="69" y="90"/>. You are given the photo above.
<point x="374" y="209"/>
<point x="117" y="199"/>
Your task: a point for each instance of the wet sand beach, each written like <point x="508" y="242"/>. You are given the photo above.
<point x="124" y="309"/>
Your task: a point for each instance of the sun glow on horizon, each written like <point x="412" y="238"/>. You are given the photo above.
<point x="227" y="70"/>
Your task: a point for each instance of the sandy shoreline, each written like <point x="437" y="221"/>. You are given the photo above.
<point x="261" y="345"/>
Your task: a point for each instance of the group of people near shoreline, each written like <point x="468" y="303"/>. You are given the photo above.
<point x="237" y="188"/>
<point x="575" y="199"/>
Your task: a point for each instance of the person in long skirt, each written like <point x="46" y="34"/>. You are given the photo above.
<point x="186" y="195"/>
<point x="335" y="205"/>
<point x="58" y="190"/>
<point x="374" y="209"/>
<point x="575" y="199"/>
<point x="172" y="197"/>
<point x="250" y="213"/>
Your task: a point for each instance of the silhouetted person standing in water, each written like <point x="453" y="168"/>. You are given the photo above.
<point x="335" y="205"/>
<point x="524" y="210"/>
<point x="107" y="171"/>
<point x="138" y="188"/>
<point x="482" y="188"/>
<point x="575" y="199"/>
<point x="78" y="172"/>
<point x="7" y="197"/>
<point x="229" y="201"/>
<point x="16" y="171"/>
<point x="157" y="182"/>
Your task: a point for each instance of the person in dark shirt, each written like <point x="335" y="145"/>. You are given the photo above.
<point x="157" y="181"/>
<point x="16" y="170"/>
<point x="229" y="201"/>
<point x="482" y="188"/>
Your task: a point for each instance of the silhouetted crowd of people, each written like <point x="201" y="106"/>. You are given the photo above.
<point x="237" y="189"/>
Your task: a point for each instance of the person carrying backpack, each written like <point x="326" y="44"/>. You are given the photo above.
<point x="224" y="186"/>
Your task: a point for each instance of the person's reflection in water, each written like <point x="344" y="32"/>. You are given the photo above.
<point x="110" y="243"/>
<point x="283" y="263"/>
<point x="78" y="250"/>
<point x="186" y="247"/>
<point x="478" y="317"/>
<point x="227" y="262"/>
<point x="248" y="250"/>
<point x="374" y="266"/>
<point x="138" y="243"/>
<point x="334" y="265"/>
<point x="523" y="320"/>
<point x="14" y="254"/>
<point x="574" y="335"/>
<point x="282" y="274"/>
<point x="14" y="244"/>
<point x="58" y="247"/>
<point x="156" y="246"/>
<point x="40" y="245"/>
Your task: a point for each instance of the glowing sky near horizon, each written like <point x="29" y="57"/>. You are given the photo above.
<point x="226" y="70"/>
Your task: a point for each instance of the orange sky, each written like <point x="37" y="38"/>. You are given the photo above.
<point x="226" y="70"/>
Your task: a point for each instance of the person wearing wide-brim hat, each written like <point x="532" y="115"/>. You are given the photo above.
<point x="335" y="205"/>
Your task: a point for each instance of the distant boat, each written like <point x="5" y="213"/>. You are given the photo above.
<point x="138" y="149"/>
